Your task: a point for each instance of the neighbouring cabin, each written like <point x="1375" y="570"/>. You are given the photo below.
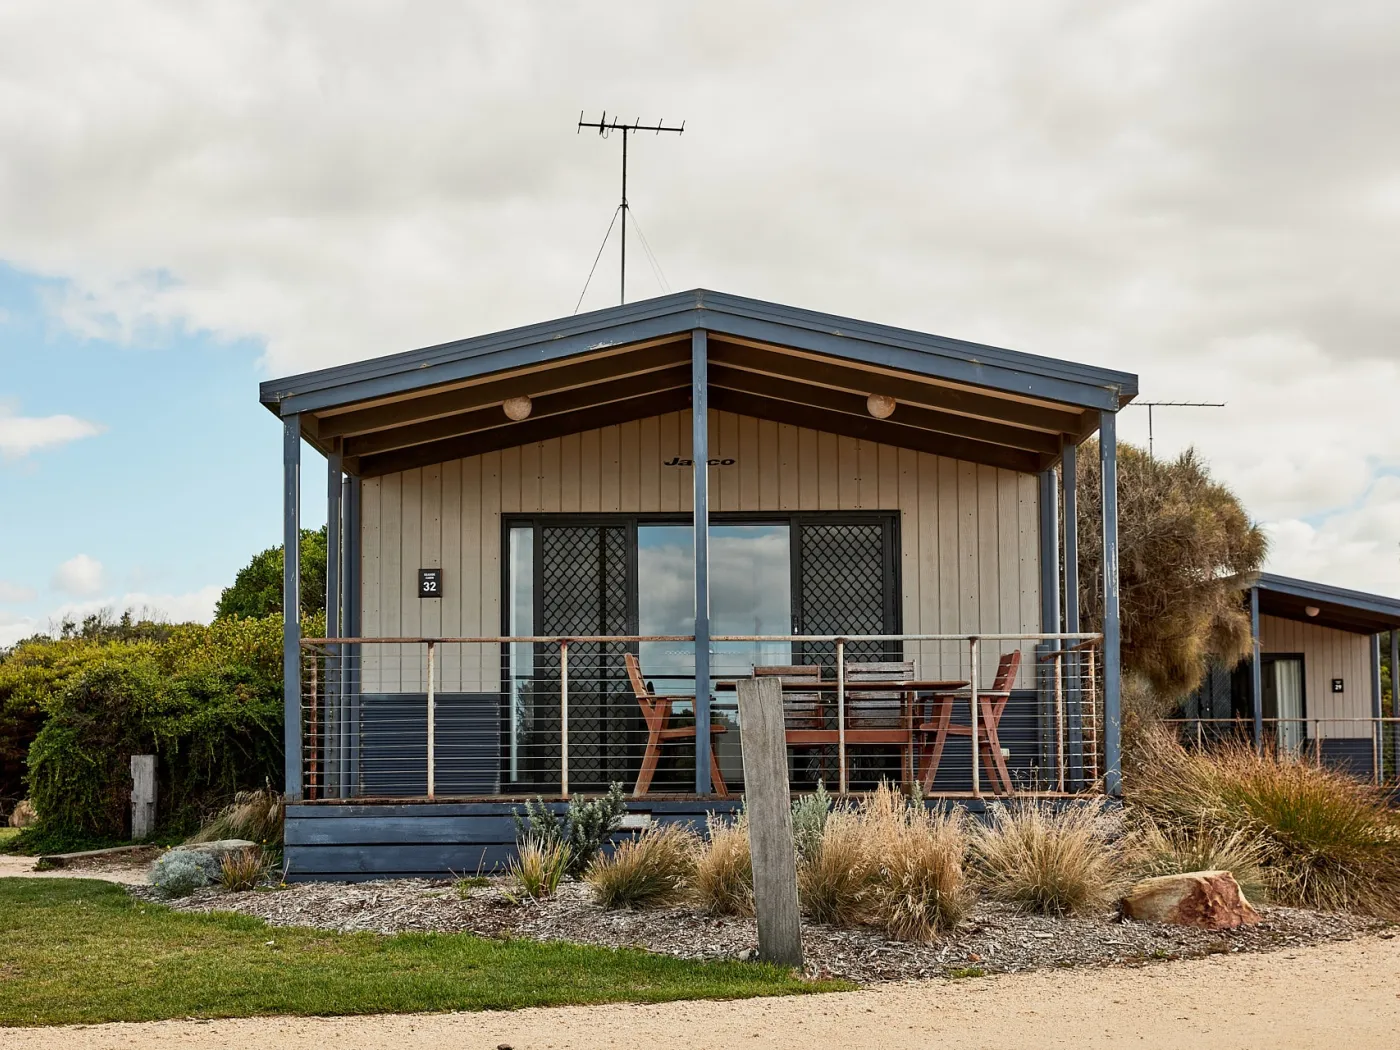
<point x="1314" y="687"/>
<point x="532" y="590"/>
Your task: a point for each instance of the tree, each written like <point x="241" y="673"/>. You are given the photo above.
<point x="1186" y="551"/>
<point x="257" y="589"/>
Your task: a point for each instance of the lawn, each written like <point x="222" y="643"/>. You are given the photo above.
<point x="6" y="834"/>
<point x="82" y="951"/>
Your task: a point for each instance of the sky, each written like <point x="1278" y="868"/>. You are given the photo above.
<point x="195" y="197"/>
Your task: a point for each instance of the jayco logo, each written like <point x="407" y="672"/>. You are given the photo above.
<point x="678" y="462"/>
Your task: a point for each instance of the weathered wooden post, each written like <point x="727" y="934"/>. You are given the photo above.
<point x="143" y="796"/>
<point x="766" y="798"/>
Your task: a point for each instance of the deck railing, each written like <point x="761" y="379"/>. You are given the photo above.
<point x="1364" y="746"/>
<point x="514" y="716"/>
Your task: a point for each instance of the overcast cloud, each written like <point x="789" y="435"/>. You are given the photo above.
<point x="1205" y="193"/>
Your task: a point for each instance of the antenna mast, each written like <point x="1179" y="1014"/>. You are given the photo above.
<point x="604" y="126"/>
<point x="1150" y="405"/>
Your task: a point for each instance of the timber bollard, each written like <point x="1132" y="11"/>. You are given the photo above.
<point x="143" y="796"/>
<point x="767" y="799"/>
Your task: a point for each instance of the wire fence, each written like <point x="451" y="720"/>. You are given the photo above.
<point x="510" y="717"/>
<point x="1365" y="747"/>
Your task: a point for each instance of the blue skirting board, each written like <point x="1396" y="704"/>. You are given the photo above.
<point x="357" y="842"/>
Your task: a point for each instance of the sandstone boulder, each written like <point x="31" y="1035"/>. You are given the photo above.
<point x="1210" y="900"/>
<point x="23" y="815"/>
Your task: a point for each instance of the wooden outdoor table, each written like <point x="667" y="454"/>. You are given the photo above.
<point x="901" y="736"/>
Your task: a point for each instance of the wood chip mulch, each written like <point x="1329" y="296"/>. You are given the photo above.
<point x="994" y="939"/>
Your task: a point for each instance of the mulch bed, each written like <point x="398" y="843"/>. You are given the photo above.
<point x="994" y="939"/>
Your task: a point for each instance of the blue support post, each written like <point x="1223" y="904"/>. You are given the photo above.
<point x="1044" y="675"/>
<point x="1069" y="479"/>
<point x="1377" y="711"/>
<point x="699" y="454"/>
<point x="335" y="693"/>
<point x="291" y="602"/>
<point x="1112" y="637"/>
<point x="350" y="625"/>
<point x="1395" y="699"/>
<point x="1256" y="671"/>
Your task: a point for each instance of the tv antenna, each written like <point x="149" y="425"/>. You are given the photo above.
<point x="605" y="126"/>
<point x="1150" y="405"/>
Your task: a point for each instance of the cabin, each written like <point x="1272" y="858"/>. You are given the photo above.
<point x="1313" y="684"/>
<point x="555" y="550"/>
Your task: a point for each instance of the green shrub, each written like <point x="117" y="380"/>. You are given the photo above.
<point x="206" y="700"/>
<point x="1046" y="861"/>
<point x="652" y="870"/>
<point x="584" y="829"/>
<point x="179" y="873"/>
<point x="809" y="813"/>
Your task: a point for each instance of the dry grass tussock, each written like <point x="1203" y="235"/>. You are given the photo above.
<point x="252" y="815"/>
<point x="654" y="869"/>
<point x="1048" y="862"/>
<point x="888" y="862"/>
<point x="1165" y="849"/>
<point x="723" y="883"/>
<point x="1327" y="840"/>
<point x="538" y="868"/>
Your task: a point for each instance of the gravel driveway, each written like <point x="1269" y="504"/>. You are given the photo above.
<point x="1339" y="994"/>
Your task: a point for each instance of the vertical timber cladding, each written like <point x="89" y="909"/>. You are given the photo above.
<point x="1327" y="654"/>
<point x="969" y="533"/>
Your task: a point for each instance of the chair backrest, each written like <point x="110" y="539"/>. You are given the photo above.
<point x="875" y="710"/>
<point x="800" y="710"/>
<point x="1007" y="667"/>
<point x="645" y="700"/>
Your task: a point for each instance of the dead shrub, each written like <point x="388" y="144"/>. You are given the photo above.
<point x="652" y="870"/>
<point x="1047" y="862"/>
<point x="723" y="882"/>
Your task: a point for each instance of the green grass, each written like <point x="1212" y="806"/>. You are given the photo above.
<point x="83" y="951"/>
<point x="6" y="834"/>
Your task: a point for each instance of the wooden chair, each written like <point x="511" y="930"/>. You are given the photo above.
<point x="801" y="711"/>
<point x="656" y="710"/>
<point x="991" y="704"/>
<point x="883" y="717"/>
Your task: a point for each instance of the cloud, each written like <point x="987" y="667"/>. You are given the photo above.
<point x="195" y="606"/>
<point x="79" y="575"/>
<point x="1204" y="193"/>
<point x="15" y="593"/>
<point x="1358" y="547"/>
<point x="21" y="435"/>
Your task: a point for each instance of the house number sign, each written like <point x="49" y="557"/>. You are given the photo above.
<point x="430" y="583"/>
<point x="1338" y="686"/>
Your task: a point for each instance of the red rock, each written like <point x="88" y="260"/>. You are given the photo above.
<point x="1210" y="900"/>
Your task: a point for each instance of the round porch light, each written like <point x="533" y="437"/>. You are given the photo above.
<point x="1312" y="610"/>
<point x="880" y="406"/>
<point x="518" y="408"/>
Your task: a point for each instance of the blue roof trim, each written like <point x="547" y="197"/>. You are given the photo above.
<point x="921" y="354"/>
<point x="1377" y="604"/>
